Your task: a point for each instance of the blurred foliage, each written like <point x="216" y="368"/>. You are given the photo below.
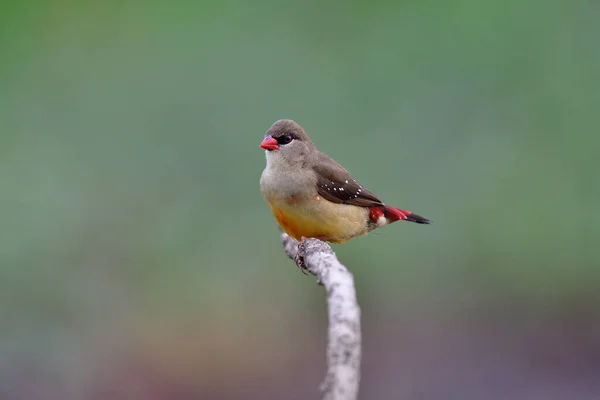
<point x="137" y="258"/>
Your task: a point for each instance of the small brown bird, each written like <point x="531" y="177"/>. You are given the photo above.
<point x="313" y="196"/>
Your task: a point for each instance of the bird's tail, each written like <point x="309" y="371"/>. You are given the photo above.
<point x="396" y="214"/>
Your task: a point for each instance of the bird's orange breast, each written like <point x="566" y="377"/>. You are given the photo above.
<point x="320" y="218"/>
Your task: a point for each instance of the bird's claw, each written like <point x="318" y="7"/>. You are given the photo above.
<point x="299" y="260"/>
<point x="300" y="264"/>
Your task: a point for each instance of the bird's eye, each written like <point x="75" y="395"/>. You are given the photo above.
<point x="285" y="139"/>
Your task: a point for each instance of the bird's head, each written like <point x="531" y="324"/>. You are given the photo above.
<point x="286" y="139"/>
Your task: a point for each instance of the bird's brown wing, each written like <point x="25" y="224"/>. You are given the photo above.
<point x="335" y="184"/>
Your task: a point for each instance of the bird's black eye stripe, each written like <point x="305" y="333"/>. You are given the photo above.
<point x="285" y="138"/>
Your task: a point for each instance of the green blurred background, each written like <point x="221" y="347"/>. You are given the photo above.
<point x="139" y="261"/>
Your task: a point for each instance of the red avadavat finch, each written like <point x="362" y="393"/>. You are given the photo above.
<point x="312" y="196"/>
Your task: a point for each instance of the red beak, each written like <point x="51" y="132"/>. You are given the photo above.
<point x="269" y="143"/>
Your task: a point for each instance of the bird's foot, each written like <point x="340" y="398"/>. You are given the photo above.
<point x="299" y="260"/>
<point x="300" y="264"/>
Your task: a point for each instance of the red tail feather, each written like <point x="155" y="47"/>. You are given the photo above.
<point x="396" y="214"/>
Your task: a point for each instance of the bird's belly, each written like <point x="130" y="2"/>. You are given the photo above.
<point x="319" y="218"/>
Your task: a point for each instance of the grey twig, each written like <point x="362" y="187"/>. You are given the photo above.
<point x="344" y="336"/>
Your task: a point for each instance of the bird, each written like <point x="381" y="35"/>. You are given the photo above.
<point x="312" y="196"/>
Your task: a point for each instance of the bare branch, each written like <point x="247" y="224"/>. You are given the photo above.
<point x="344" y="336"/>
